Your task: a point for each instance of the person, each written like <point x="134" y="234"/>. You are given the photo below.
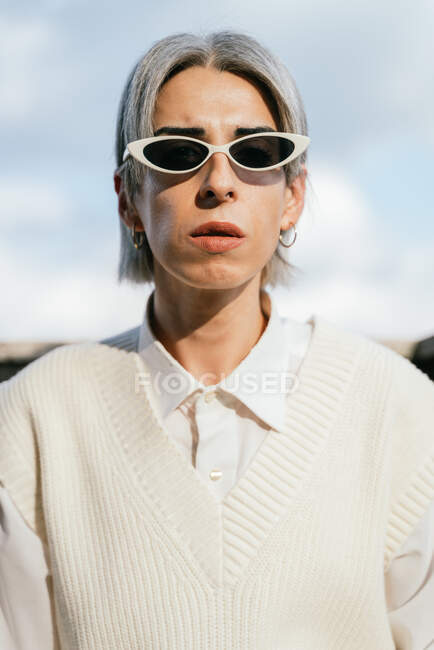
<point x="218" y="476"/>
<point x="422" y="355"/>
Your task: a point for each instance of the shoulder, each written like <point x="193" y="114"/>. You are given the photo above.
<point x="66" y="367"/>
<point x="359" y="345"/>
<point x="38" y="378"/>
<point x="76" y="356"/>
<point x="370" y="346"/>
<point x="396" y="378"/>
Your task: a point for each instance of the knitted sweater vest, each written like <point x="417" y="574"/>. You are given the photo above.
<point x="144" y="557"/>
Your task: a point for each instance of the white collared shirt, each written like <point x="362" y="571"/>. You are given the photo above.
<point x="220" y="427"/>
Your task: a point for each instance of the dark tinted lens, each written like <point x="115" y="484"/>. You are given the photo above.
<point x="262" y="151"/>
<point x="175" y="154"/>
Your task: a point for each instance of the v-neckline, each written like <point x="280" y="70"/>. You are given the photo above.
<point x="223" y="536"/>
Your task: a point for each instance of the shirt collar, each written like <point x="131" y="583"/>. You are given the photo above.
<point x="261" y="381"/>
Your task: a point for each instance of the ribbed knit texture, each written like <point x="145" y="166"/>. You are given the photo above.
<point x="142" y="554"/>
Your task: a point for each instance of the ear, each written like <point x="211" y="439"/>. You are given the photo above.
<point x="294" y="200"/>
<point x="126" y="210"/>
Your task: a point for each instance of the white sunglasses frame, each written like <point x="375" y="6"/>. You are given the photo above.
<point x="135" y="149"/>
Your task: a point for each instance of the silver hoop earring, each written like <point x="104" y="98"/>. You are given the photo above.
<point x="293" y="241"/>
<point x="138" y="243"/>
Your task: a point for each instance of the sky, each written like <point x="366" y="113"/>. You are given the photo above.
<point x="365" y="244"/>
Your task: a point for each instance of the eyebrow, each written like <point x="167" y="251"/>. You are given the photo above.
<point x="194" y="131"/>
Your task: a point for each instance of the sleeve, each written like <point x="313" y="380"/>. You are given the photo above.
<point x="25" y="605"/>
<point x="19" y="457"/>
<point x="6" y="641"/>
<point x="409" y="587"/>
<point x="21" y="496"/>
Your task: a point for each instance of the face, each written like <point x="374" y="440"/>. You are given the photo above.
<point x="171" y="206"/>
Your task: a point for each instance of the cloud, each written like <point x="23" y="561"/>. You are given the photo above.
<point x="338" y="224"/>
<point x="72" y="303"/>
<point x="28" y="202"/>
<point x="25" y="45"/>
<point x="353" y="273"/>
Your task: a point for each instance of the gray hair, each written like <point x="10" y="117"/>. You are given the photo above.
<point x="225" y="51"/>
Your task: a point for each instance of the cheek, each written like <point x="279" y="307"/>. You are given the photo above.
<point x="267" y="212"/>
<point x="158" y="212"/>
<point x="159" y="226"/>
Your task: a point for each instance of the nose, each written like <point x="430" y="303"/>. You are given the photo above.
<point x="218" y="178"/>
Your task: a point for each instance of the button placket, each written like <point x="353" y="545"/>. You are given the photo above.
<point x="208" y="418"/>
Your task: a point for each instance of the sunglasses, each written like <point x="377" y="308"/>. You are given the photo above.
<point x="179" y="154"/>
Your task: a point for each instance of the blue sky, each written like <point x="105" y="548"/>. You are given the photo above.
<point x="366" y="238"/>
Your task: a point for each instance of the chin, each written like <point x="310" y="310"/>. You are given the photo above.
<point x="219" y="278"/>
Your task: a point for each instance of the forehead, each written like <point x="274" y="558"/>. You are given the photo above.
<point x="212" y="99"/>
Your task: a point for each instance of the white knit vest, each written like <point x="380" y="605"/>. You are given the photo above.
<point x="144" y="557"/>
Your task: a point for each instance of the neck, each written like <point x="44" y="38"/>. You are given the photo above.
<point x="209" y="331"/>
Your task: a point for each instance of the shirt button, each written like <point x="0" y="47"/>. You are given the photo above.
<point x="215" y="474"/>
<point x="208" y="397"/>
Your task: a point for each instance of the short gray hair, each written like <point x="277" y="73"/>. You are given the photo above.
<point x="225" y="50"/>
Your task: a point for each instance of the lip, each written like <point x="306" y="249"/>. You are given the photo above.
<point x="223" y="228"/>
<point x="216" y="244"/>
